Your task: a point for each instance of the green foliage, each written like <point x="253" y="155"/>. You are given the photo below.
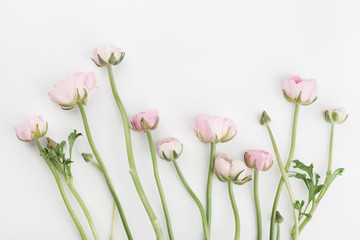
<point x="55" y="153"/>
<point x="330" y="176"/>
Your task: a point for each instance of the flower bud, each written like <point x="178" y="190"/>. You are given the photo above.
<point x="108" y="55"/>
<point x="170" y="149"/>
<point x="51" y="143"/>
<point x="302" y="91"/>
<point x="258" y="160"/>
<point x="214" y="129"/>
<point x="88" y="157"/>
<point x="265" y="119"/>
<point x="278" y="217"/>
<point x="74" y="89"/>
<point x="337" y="115"/>
<point x="230" y="170"/>
<point x="33" y="128"/>
<point x="145" y="121"/>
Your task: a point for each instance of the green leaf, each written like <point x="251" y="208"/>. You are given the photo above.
<point x="307" y="169"/>
<point x="331" y="176"/>
<point x="71" y="139"/>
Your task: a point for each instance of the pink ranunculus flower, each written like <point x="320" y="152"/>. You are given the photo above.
<point x="74" y="89"/>
<point x="258" y="159"/>
<point x="337" y="115"/>
<point x="145" y="121"/>
<point x="302" y="91"/>
<point x="108" y="55"/>
<point x="214" y="129"/>
<point x="230" y="170"/>
<point x="170" y="149"/>
<point x="35" y="127"/>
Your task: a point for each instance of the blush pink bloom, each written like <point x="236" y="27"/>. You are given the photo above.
<point x="76" y="88"/>
<point x="35" y="127"/>
<point x="108" y="55"/>
<point x="337" y="115"/>
<point x="258" y="160"/>
<point x="295" y="85"/>
<point x="230" y="170"/>
<point x="214" y="129"/>
<point x="170" y="149"/>
<point x="144" y="121"/>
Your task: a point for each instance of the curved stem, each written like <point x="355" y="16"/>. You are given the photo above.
<point x="287" y="183"/>
<point x="196" y="199"/>
<point x="159" y="185"/>
<point x="113" y="222"/>
<point x="235" y="209"/>
<point x="84" y="208"/>
<point x="209" y="185"/>
<point x="324" y="189"/>
<point x="257" y="204"/>
<point x="62" y="191"/>
<point x="287" y="166"/>
<point x="277" y="231"/>
<point x="135" y="177"/>
<point x="104" y="171"/>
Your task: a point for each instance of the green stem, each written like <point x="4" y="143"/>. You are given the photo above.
<point x="287" y="183"/>
<point x="135" y="177"/>
<point x="104" y="171"/>
<point x="209" y="185"/>
<point x="257" y="204"/>
<point x="113" y="222"/>
<point x="62" y="191"/>
<point x="236" y="212"/>
<point x="287" y="166"/>
<point x="324" y="189"/>
<point x="159" y="186"/>
<point x="84" y="208"/>
<point x="278" y="231"/>
<point x="196" y="199"/>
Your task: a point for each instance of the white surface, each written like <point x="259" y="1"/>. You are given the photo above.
<point x="226" y="58"/>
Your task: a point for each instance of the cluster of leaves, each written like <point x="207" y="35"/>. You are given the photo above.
<point x="55" y="153"/>
<point x="311" y="180"/>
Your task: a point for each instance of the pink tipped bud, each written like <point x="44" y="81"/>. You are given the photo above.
<point x="231" y="170"/>
<point x="108" y="55"/>
<point x="337" y="115"/>
<point x="33" y="128"/>
<point x="170" y="149"/>
<point x="145" y="121"/>
<point x="302" y="91"/>
<point x="214" y="129"/>
<point x="258" y="160"/>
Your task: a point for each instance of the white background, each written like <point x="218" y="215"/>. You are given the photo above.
<point x="225" y="58"/>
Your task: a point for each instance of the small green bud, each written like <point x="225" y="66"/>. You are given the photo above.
<point x="278" y="218"/>
<point x="88" y="157"/>
<point x="265" y="119"/>
<point x="51" y="143"/>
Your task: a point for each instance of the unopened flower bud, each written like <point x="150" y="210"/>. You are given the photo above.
<point x="145" y="121"/>
<point x="231" y="170"/>
<point x="214" y="129"/>
<point x="265" y="119"/>
<point x="88" y="157"/>
<point x="302" y="91"/>
<point x="337" y="115"/>
<point x="258" y="160"/>
<point x="278" y="218"/>
<point x="51" y="143"/>
<point x="33" y="128"/>
<point x="170" y="149"/>
<point x="108" y="55"/>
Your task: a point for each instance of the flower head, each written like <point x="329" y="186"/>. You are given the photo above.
<point x="170" y="149"/>
<point x="231" y="170"/>
<point x="108" y="55"/>
<point x="337" y="115"/>
<point x="258" y="160"/>
<point x="74" y="89"/>
<point x="302" y="91"/>
<point x="145" y="121"/>
<point x="214" y="129"/>
<point x="33" y="128"/>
